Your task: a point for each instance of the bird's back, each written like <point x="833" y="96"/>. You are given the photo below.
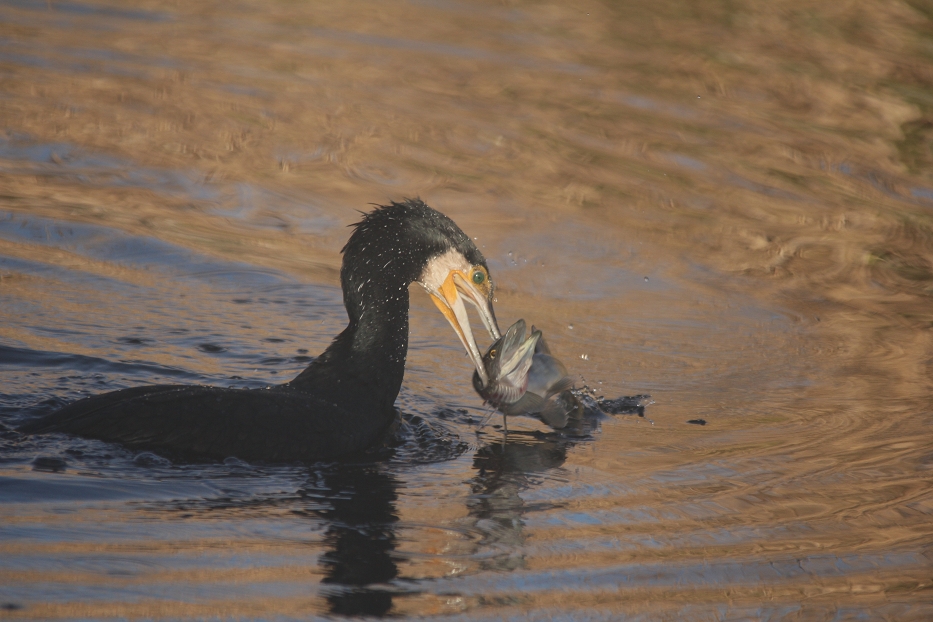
<point x="278" y="424"/>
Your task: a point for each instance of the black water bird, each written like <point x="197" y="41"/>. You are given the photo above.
<point x="344" y="402"/>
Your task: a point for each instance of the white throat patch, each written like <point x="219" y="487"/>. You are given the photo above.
<point x="440" y="266"/>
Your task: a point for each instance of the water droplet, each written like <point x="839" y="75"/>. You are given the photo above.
<point x="585" y="357"/>
<point x="570" y="326"/>
<point x="646" y="279"/>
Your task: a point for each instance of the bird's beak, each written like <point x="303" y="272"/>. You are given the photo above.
<point x="450" y="303"/>
<point x="482" y="301"/>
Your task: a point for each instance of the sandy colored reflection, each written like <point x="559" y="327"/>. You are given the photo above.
<point x="768" y="168"/>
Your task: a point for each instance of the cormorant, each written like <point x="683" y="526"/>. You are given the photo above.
<point x="344" y="402"/>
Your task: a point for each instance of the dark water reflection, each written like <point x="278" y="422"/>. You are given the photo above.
<point x="360" y="539"/>
<point x="723" y="205"/>
<point x="349" y="512"/>
<point x="505" y="470"/>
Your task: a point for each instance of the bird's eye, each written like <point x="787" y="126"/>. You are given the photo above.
<point x="492" y="354"/>
<point x="479" y="277"/>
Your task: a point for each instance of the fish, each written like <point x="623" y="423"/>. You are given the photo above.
<point x="526" y="379"/>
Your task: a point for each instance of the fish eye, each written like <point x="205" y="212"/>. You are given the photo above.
<point x="478" y="277"/>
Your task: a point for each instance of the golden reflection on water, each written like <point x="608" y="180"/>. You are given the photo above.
<point x="730" y="203"/>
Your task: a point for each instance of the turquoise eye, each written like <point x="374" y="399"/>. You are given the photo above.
<point x="479" y="277"/>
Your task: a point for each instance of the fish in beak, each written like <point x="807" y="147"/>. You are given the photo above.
<point x="524" y="378"/>
<point x="507" y="363"/>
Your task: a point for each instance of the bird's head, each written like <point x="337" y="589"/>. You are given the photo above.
<point x="410" y="242"/>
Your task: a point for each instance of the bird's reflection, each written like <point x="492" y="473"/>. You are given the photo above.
<point x="360" y="538"/>
<point x="358" y="505"/>
<point x="360" y="510"/>
<point x="361" y="515"/>
<point x="504" y="470"/>
<point x="505" y="467"/>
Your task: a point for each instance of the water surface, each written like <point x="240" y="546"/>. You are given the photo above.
<point x="725" y="206"/>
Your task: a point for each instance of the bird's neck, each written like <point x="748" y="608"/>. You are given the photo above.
<point x="365" y="364"/>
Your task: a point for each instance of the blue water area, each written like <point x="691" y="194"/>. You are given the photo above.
<point x="86" y="9"/>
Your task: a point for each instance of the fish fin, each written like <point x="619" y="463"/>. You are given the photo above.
<point x="513" y="337"/>
<point x="517" y="352"/>
<point x="529" y="404"/>
<point x="541" y="347"/>
<point x="564" y="384"/>
<point x="555" y="414"/>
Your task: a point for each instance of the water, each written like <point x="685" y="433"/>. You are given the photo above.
<point x="727" y="207"/>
